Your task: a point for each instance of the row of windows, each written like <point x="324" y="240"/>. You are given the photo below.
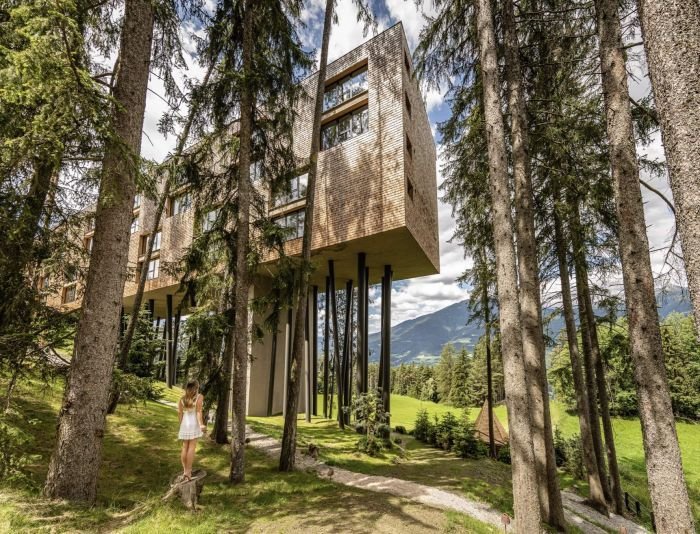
<point x="293" y="221"/>
<point x="345" y="89"/>
<point x="344" y="128"/>
<point x="297" y="190"/>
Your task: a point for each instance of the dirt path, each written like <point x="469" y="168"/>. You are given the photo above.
<point x="583" y="517"/>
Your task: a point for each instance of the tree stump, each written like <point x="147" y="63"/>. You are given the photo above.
<point x="187" y="490"/>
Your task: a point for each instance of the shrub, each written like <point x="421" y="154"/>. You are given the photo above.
<point x="399" y="429"/>
<point x="133" y="389"/>
<point x="369" y="445"/>
<point x="13" y="459"/>
<point x="432" y="431"/>
<point x="504" y="454"/>
<point x="422" y="426"/>
<point x="568" y="453"/>
<point x="371" y="417"/>
<point x="445" y="431"/>
<point x="466" y="444"/>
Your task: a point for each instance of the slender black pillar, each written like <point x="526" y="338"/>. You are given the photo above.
<point x="176" y="337"/>
<point x="314" y="352"/>
<point x="287" y="357"/>
<point x="273" y="365"/>
<point x="151" y="307"/>
<point x="361" y="332"/>
<point x="169" y="341"/>
<point x="326" y="345"/>
<point x="162" y="355"/>
<point x="307" y="364"/>
<point x="347" y="349"/>
<point x="336" y="345"/>
<point x="385" y="358"/>
<point x="366" y="339"/>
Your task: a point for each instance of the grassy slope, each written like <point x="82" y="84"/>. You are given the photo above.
<point x="484" y="479"/>
<point x="141" y="454"/>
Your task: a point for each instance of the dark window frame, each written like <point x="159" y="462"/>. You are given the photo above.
<point x="293" y="219"/>
<point x="361" y="112"/>
<point x="348" y="79"/>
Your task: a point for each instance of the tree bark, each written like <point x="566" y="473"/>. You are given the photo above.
<point x="288" y="451"/>
<point x="143" y="275"/>
<point x="525" y="497"/>
<point x="242" y="280"/>
<point x="76" y="459"/>
<point x="671" y="33"/>
<point x="486" y="310"/>
<point x="596" y="494"/>
<point x="667" y="487"/>
<point x="220" y="430"/>
<point x="551" y="506"/>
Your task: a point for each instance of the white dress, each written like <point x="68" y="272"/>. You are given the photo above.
<point x="189" y="426"/>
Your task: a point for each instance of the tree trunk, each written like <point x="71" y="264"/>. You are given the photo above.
<point x="486" y="310"/>
<point x="525" y="496"/>
<point x="287" y="453"/>
<point x="597" y="496"/>
<point x="613" y="469"/>
<point x="143" y="275"/>
<point x="671" y="33"/>
<point x="220" y="430"/>
<point x="667" y="487"/>
<point x="590" y="382"/>
<point x="75" y="462"/>
<point x="530" y="309"/>
<point x="242" y="279"/>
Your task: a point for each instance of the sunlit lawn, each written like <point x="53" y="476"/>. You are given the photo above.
<point x="482" y="479"/>
<point x="140" y="457"/>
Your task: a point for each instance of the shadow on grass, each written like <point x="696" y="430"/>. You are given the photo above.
<point x="140" y="455"/>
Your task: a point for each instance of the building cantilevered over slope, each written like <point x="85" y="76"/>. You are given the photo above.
<point x="375" y="214"/>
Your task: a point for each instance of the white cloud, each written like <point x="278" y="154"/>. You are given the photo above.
<point x="412" y="17"/>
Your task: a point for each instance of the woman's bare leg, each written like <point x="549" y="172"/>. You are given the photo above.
<point x="192" y="445"/>
<point x="183" y="456"/>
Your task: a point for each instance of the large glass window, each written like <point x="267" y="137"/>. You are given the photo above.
<point x="135" y="224"/>
<point x="293" y="221"/>
<point x="297" y="190"/>
<point x="181" y="203"/>
<point x="345" y="89"/>
<point x="156" y="241"/>
<point x="69" y="294"/>
<point x="344" y="128"/>
<point x="209" y="220"/>
<point x="137" y="201"/>
<point x="153" y="269"/>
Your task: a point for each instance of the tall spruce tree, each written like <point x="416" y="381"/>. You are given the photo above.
<point x="671" y="32"/>
<point x="76" y="459"/>
<point x="667" y="487"/>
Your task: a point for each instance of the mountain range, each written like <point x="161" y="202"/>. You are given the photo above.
<point x="420" y="340"/>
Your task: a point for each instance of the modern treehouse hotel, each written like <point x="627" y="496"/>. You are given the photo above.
<point x="375" y="221"/>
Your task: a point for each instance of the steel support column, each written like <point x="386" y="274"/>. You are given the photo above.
<point x="361" y="332"/>
<point x="314" y="352"/>
<point x="347" y="350"/>
<point x="169" y="341"/>
<point x="336" y="344"/>
<point x="273" y="365"/>
<point x="385" y="358"/>
<point x="176" y="338"/>
<point x="326" y="345"/>
<point x="307" y="364"/>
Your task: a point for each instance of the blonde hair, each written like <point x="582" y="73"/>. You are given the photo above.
<point x="191" y="391"/>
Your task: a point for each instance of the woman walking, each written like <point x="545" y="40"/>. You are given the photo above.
<point x="192" y="425"/>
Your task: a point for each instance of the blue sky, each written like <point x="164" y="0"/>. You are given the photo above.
<point x="419" y="296"/>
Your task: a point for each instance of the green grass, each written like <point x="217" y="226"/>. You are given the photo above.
<point x="141" y="454"/>
<point x="483" y="479"/>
